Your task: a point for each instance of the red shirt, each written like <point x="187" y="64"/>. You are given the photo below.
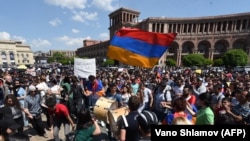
<point x="60" y="111"/>
<point x="191" y="99"/>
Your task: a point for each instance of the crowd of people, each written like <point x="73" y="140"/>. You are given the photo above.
<point x="160" y="97"/>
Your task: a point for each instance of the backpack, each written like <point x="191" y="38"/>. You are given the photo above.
<point x="71" y="136"/>
<point x="1" y="94"/>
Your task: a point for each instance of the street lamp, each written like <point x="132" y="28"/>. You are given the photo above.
<point x="69" y="63"/>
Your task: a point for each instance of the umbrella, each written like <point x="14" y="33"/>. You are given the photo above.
<point x="22" y="67"/>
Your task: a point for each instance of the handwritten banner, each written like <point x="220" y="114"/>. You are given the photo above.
<point x="84" y="67"/>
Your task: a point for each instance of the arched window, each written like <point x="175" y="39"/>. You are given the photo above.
<point x="12" y="56"/>
<point x="4" y="58"/>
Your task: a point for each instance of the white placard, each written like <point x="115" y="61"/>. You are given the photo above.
<point x="84" y="67"/>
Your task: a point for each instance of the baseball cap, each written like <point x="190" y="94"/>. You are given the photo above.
<point x="32" y="88"/>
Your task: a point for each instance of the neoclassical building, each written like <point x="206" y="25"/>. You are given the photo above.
<point x="14" y="53"/>
<point x="68" y="53"/>
<point x="210" y="36"/>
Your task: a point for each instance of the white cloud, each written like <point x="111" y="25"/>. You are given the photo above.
<point x="75" y="31"/>
<point x="83" y="16"/>
<point x="73" y="42"/>
<point x="55" y="22"/>
<point x="105" y="4"/>
<point x="40" y="43"/>
<point x="19" y="38"/>
<point x="4" y="36"/>
<point x="70" y="4"/>
<point x="7" y="36"/>
<point x="104" y="36"/>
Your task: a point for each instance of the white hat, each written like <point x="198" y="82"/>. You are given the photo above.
<point x="32" y="88"/>
<point x="40" y="87"/>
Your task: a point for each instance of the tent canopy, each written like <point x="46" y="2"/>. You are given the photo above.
<point x="21" y="67"/>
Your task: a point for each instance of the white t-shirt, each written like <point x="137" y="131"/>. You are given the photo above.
<point x="160" y="97"/>
<point x="146" y="94"/>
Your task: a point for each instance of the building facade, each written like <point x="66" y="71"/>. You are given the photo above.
<point x="209" y="36"/>
<point x="68" y="53"/>
<point x="14" y="53"/>
<point x="41" y="57"/>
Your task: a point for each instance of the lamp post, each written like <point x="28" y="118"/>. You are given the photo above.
<point x="104" y="61"/>
<point x="69" y="63"/>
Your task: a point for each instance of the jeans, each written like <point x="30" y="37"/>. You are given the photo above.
<point x="56" y="127"/>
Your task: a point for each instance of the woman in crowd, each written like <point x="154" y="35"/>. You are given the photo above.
<point x="13" y="110"/>
<point x="87" y="126"/>
<point x="125" y="95"/>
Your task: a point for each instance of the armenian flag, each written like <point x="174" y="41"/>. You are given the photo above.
<point x="139" y="48"/>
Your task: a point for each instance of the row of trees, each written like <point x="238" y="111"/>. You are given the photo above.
<point x="231" y="58"/>
<point x="59" y="57"/>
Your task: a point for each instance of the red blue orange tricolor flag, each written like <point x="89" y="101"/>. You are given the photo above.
<point x="139" y="48"/>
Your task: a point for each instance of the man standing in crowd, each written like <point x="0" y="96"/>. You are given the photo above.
<point x="114" y="95"/>
<point x="241" y="111"/>
<point x="128" y="125"/>
<point x="33" y="108"/>
<point x="199" y="88"/>
<point x="147" y="97"/>
<point x="78" y="97"/>
<point x="94" y="89"/>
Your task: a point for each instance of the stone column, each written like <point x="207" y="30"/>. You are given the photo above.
<point x="179" y="53"/>
<point x="247" y="24"/>
<point x="164" y="28"/>
<point x="241" y="22"/>
<point x="227" y="26"/>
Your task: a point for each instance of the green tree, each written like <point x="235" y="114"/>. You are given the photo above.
<point x="171" y="62"/>
<point x="208" y="62"/>
<point x="61" y="58"/>
<point x="109" y="62"/>
<point x="218" y="62"/>
<point x="235" y="57"/>
<point x="193" y="60"/>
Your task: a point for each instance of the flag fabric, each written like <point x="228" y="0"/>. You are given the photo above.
<point x="139" y="48"/>
<point x="159" y="73"/>
<point x="96" y="87"/>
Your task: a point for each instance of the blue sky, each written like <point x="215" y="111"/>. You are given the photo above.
<point x="64" y="24"/>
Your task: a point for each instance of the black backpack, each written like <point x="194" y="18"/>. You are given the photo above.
<point x="1" y="94"/>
